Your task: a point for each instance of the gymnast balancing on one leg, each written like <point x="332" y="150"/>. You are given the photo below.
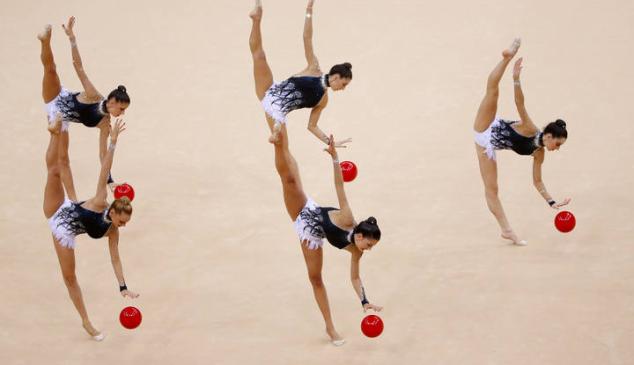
<point x="94" y="216"/>
<point x="87" y="107"/>
<point x="307" y="89"/>
<point x="523" y="137"/>
<point x="314" y="223"/>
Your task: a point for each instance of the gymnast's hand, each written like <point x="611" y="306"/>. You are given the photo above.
<point x="517" y="69"/>
<point x="309" y="6"/>
<point x="129" y="294"/>
<point x="119" y="126"/>
<point x="342" y="143"/>
<point x="374" y="307"/>
<point x="68" y="28"/>
<point x="332" y="151"/>
<point x="561" y="204"/>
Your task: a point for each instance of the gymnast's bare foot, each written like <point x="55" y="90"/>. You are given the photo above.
<point x="512" y="50"/>
<point x="510" y="235"/>
<point x="45" y="35"/>
<point x="55" y="126"/>
<point x="334" y="337"/>
<point x="94" y="333"/>
<point x="275" y="135"/>
<point x="256" y="13"/>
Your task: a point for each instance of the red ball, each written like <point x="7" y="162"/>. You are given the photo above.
<point x="372" y="325"/>
<point x="130" y="317"/>
<point x="349" y="170"/>
<point x="124" y="190"/>
<point x="565" y="221"/>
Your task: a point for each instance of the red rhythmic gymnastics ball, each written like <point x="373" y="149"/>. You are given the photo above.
<point x="565" y="221"/>
<point x="372" y="325"/>
<point x="124" y="190"/>
<point x="348" y="170"/>
<point x="130" y="317"/>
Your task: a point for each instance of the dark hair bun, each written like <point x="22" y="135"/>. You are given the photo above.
<point x="120" y="94"/>
<point x="560" y="123"/>
<point x="368" y="229"/>
<point x="557" y="129"/>
<point x="344" y="70"/>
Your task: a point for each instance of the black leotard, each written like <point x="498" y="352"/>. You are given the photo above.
<point x="77" y="112"/>
<point x="78" y="220"/>
<point x="504" y="136"/>
<point x="297" y="92"/>
<point x="336" y="236"/>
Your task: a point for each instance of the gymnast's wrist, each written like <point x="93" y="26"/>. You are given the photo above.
<point x="550" y="202"/>
<point x="364" y="302"/>
<point x="123" y="287"/>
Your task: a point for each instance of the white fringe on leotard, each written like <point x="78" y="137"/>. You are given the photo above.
<point x="52" y="108"/>
<point x="308" y="225"/>
<point x="272" y="109"/>
<point x="58" y="224"/>
<point x="483" y="139"/>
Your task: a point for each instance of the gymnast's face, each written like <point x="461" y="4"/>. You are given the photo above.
<point x="551" y="143"/>
<point x="363" y="243"/>
<point x="119" y="219"/>
<point x="116" y="108"/>
<point x="337" y="82"/>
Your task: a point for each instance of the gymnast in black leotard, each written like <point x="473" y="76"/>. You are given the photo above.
<point x="314" y="223"/>
<point x="523" y="137"/>
<point x="307" y="89"/>
<point x="95" y="216"/>
<point x="294" y="93"/>
<point x="88" y="107"/>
